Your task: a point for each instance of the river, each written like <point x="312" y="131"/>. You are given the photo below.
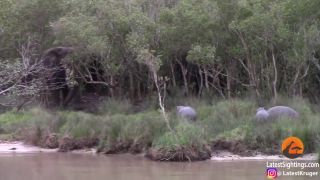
<point x="70" y="166"/>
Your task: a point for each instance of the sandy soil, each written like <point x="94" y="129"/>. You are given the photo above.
<point x="227" y="156"/>
<point x="20" y="147"/>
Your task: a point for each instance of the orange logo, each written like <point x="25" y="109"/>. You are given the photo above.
<point x="292" y="147"/>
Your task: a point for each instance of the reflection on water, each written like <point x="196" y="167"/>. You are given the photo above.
<point x="64" y="166"/>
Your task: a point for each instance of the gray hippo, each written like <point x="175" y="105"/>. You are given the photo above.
<point x="187" y="112"/>
<point x="276" y="112"/>
<point x="262" y="114"/>
<point x="282" y="111"/>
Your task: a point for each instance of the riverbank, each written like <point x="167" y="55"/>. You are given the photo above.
<point x="21" y="147"/>
<point x="18" y="147"/>
<point x="228" y="156"/>
<point x="221" y="126"/>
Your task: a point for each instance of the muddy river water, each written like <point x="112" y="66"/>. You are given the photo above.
<point x="69" y="166"/>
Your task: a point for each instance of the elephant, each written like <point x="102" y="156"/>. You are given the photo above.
<point x="187" y="112"/>
<point x="275" y="113"/>
<point x="55" y="73"/>
<point x="52" y="57"/>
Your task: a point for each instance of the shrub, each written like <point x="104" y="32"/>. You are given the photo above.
<point x="187" y="142"/>
<point x="123" y="133"/>
<point x="79" y="124"/>
<point x="11" y="121"/>
<point x="225" y="116"/>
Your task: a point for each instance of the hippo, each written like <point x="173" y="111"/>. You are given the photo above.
<point x="275" y="113"/>
<point x="262" y="114"/>
<point x="282" y="111"/>
<point x="187" y="112"/>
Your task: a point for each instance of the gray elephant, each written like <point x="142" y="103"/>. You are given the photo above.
<point x="187" y="112"/>
<point x="276" y="112"/>
<point x="55" y="74"/>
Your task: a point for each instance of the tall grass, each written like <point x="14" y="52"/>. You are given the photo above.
<point x="186" y="142"/>
<point x="130" y="132"/>
<point x="79" y="124"/>
<point x="122" y="127"/>
<point x="185" y="134"/>
<point x="11" y="121"/>
<point x="225" y="116"/>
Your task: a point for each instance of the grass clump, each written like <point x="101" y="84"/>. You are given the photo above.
<point x="79" y="130"/>
<point x="30" y="126"/>
<point x="79" y="124"/>
<point x="186" y="143"/>
<point x="130" y="133"/>
<point x="225" y="116"/>
<point x="11" y="121"/>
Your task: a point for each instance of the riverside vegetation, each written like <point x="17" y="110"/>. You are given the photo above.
<point x="98" y="72"/>
<point x="221" y="125"/>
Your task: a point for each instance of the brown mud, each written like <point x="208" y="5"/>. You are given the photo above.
<point x="193" y="153"/>
<point x="124" y="147"/>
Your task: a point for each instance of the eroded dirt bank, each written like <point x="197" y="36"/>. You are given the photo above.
<point x="20" y="147"/>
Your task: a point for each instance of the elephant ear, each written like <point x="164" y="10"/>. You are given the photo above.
<point x="57" y="52"/>
<point x="64" y="51"/>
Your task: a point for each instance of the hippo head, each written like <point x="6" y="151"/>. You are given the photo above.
<point x="261" y="114"/>
<point x="179" y="107"/>
<point x="261" y="109"/>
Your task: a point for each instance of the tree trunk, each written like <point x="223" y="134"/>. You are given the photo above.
<point x="300" y="89"/>
<point x="228" y="84"/>
<point x="295" y="80"/>
<point x="219" y="89"/>
<point x="250" y="68"/>
<point x="174" y="83"/>
<point x="131" y="84"/>
<point x="201" y="82"/>
<point x="111" y="86"/>
<point x="206" y="79"/>
<point x="184" y="71"/>
<point x="274" y="83"/>
<point x="139" y="91"/>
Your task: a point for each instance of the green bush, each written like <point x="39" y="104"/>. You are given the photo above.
<point x="30" y="126"/>
<point x="187" y="142"/>
<point x="79" y="124"/>
<point x="10" y="121"/>
<point x="225" y="116"/>
<point x="133" y="130"/>
<point x="184" y="135"/>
